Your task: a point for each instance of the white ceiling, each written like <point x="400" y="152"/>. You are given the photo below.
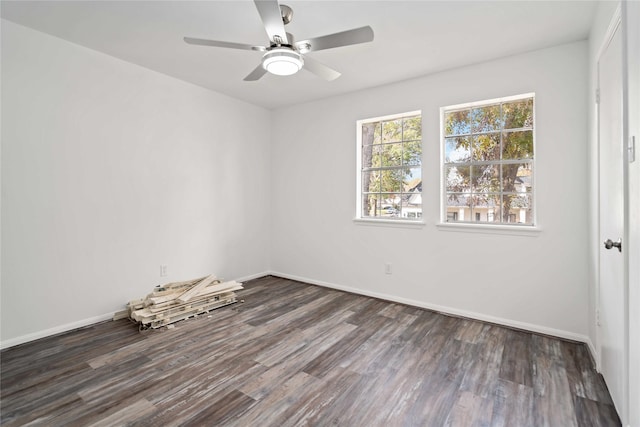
<point x="412" y="38"/>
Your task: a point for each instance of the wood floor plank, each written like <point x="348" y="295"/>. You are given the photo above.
<point x="224" y="410"/>
<point x="583" y="378"/>
<point x="470" y="410"/>
<point x="373" y="408"/>
<point x="590" y="413"/>
<point x="553" y="403"/>
<point x="483" y="370"/>
<point x="308" y="344"/>
<point x="470" y="330"/>
<point x="516" y="359"/>
<point x="295" y="354"/>
<point x="513" y="405"/>
<point x="319" y="405"/>
<point x="269" y="409"/>
<point x="347" y="345"/>
<point x="121" y="416"/>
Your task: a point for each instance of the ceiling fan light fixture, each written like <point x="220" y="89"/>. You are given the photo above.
<point x="282" y="61"/>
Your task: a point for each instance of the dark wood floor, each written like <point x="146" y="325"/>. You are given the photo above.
<point x="295" y="354"/>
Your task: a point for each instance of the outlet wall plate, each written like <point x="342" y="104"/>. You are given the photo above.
<point x="387" y="268"/>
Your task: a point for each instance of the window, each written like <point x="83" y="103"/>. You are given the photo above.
<point x="390" y="167"/>
<point x="488" y="154"/>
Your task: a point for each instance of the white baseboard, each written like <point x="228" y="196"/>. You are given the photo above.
<point x="53" y="331"/>
<point x="594" y="353"/>
<point x="449" y="310"/>
<point x="253" y="276"/>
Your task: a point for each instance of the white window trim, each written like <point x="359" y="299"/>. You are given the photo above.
<point x="400" y="223"/>
<point x="358" y="219"/>
<point x="469" y="227"/>
<point x="501" y="228"/>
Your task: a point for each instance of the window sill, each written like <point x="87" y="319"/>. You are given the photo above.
<point x="399" y="223"/>
<point x="511" y="230"/>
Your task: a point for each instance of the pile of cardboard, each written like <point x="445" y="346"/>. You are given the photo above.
<point x="181" y="300"/>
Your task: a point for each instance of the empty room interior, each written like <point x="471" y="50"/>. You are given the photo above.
<point x="352" y="213"/>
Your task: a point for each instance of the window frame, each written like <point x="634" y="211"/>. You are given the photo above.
<point x="471" y="225"/>
<point x="391" y="221"/>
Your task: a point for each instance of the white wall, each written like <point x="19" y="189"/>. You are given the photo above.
<point x="538" y="282"/>
<point x="110" y="170"/>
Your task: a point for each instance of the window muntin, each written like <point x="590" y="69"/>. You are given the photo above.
<point x="390" y="167"/>
<point x="488" y="155"/>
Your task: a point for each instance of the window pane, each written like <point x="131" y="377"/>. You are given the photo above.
<point x="458" y="207"/>
<point x="369" y="131"/>
<point x="411" y="179"/>
<point x="457" y="149"/>
<point x="392" y="131"/>
<point x="377" y="133"/>
<point x="486" y="208"/>
<point x="486" y="147"/>
<point x="457" y="122"/>
<point x="370" y="182"/>
<point x="367" y="156"/>
<point x="411" y="206"/>
<point x="376" y="156"/>
<point x="412" y="153"/>
<point x="391" y="205"/>
<point x="458" y="178"/>
<point x="485" y="178"/>
<point x="412" y="129"/>
<point x="391" y="154"/>
<point x="517" y="145"/>
<point x="518" y="114"/>
<point x="486" y="119"/>
<point x="520" y="208"/>
<point x="372" y="205"/>
<point x="391" y="180"/>
<point x="517" y="178"/>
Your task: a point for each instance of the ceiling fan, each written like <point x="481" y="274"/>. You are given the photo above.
<point x="283" y="56"/>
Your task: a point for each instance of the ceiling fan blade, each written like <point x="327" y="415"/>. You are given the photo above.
<point x="217" y="43"/>
<point x="256" y="74"/>
<point x="320" y="70"/>
<point x="271" y="16"/>
<point x="343" y="38"/>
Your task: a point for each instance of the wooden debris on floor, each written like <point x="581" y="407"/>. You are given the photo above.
<point x="180" y="300"/>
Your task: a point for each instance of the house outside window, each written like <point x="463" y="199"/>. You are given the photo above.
<point x="488" y="162"/>
<point x="390" y="167"/>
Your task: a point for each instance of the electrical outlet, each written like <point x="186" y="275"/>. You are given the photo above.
<point x="387" y="268"/>
<point x="163" y="271"/>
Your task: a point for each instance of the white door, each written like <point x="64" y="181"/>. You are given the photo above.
<point x="612" y="331"/>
